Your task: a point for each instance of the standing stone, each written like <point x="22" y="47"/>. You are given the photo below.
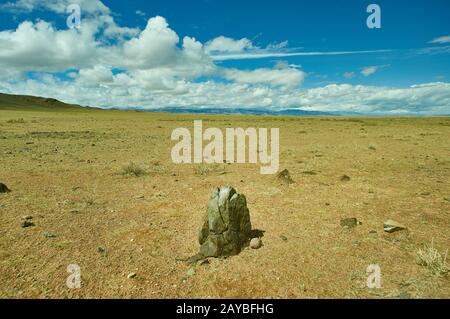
<point x="226" y="228"/>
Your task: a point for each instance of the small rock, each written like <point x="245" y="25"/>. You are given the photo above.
<point x="391" y="226"/>
<point x="255" y="243"/>
<point x="447" y="199"/>
<point x="49" y="235"/>
<point x="131" y="275"/>
<point x="349" y="222"/>
<point x="345" y="178"/>
<point x="190" y="272"/>
<point x="285" y="177"/>
<point x="27" y="217"/>
<point x="284" y="238"/>
<point x="27" y="223"/>
<point x="101" y="249"/>
<point x="4" y="188"/>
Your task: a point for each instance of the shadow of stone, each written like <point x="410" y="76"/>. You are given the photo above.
<point x="257" y="233"/>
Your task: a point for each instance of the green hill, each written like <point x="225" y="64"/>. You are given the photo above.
<point x="34" y="103"/>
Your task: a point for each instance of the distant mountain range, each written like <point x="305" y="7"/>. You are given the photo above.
<point x="237" y="111"/>
<point x="27" y="102"/>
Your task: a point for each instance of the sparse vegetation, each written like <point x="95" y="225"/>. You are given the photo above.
<point x="16" y="121"/>
<point x="133" y="169"/>
<point x="204" y="169"/>
<point x="433" y="260"/>
<point x="142" y="224"/>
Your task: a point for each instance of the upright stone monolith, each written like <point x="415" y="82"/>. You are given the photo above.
<point x="226" y="228"/>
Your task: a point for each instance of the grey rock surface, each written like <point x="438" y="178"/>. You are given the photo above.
<point x="226" y="226"/>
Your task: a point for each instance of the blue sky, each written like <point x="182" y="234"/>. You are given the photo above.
<point x="315" y="55"/>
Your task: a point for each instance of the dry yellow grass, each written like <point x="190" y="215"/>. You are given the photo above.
<point x="64" y="169"/>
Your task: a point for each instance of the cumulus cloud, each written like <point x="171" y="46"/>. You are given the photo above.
<point x="108" y="65"/>
<point x="39" y="47"/>
<point x="275" y="77"/>
<point x="225" y="45"/>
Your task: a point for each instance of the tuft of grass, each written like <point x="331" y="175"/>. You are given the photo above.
<point x="16" y="121"/>
<point x="431" y="258"/>
<point x="133" y="169"/>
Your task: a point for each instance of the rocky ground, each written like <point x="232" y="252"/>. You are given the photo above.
<point x="130" y="232"/>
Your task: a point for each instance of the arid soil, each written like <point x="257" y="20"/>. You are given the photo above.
<point x="65" y="170"/>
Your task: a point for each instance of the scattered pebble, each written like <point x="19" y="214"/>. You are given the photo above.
<point x="345" y="178"/>
<point x="4" y="188"/>
<point x="27" y="223"/>
<point x="255" y="243"/>
<point x="391" y="226"/>
<point x="101" y="249"/>
<point x="284" y="238"/>
<point x="349" y="222"/>
<point x="131" y="275"/>
<point x="285" y="177"/>
<point x="49" y="235"/>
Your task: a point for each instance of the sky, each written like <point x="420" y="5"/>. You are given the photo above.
<point x="272" y="55"/>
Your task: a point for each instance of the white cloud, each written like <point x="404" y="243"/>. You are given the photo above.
<point x="349" y="75"/>
<point x="155" y="45"/>
<point x="225" y="45"/>
<point x="431" y="98"/>
<point x="276" y="77"/>
<point x="58" y="6"/>
<point x="369" y="70"/>
<point x="140" y="13"/>
<point x="108" y="65"/>
<point x="444" y="39"/>
<point x="39" y="47"/>
<point x="268" y="53"/>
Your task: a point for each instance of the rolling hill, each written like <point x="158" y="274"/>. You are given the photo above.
<point x="34" y="103"/>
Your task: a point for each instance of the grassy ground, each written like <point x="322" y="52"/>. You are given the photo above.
<point x="65" y="170"/>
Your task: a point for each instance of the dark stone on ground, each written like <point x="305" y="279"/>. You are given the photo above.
<point x="285" y="177"/>
<point x="4" y="188"/>
<point x="27" y="223"/>
<point x="349" y="222"/>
